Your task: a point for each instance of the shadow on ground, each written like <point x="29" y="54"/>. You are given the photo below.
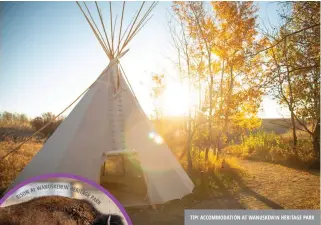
<point x="244" y="189"/>
<point x="312" y="168"/>
<point x="211" y="192"/>
<point x="218" y="189"/>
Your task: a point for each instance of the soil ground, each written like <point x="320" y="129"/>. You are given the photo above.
<point x="256" y="185"/>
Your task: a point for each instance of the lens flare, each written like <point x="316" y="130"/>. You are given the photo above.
<point x="151" y="135"/>
<point x="159" y="140"/>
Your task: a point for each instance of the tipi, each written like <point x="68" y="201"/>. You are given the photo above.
<point x="107" y="137"/>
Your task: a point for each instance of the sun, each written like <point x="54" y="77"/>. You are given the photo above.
<point x="177" y="100"/>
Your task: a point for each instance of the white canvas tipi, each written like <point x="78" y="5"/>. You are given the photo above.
<point x="108" y="120"/>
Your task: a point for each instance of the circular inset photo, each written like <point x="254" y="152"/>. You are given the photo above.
<point x="61" y="199"/>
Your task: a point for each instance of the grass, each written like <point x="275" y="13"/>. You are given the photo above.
<point x="240" y="184"/>
<point x="14" y="129"/>
<point x="16" y="125"/>
<point x="15" y="121"/>
<point x="269" y="147"/>
<point x="15" y="162"/>
<point x="226" y="177"/>
<point x="213" y="177"/>
<point x="269" y="185"/>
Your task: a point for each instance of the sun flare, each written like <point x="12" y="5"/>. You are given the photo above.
<point x="177" y="100"/>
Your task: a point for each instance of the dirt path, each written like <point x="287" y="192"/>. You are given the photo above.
<point x="272" y="186"/>
<point x="244" y="184"/>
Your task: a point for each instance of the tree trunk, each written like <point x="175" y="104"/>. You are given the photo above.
<point x="218" y="145"/>
<point x="295" y="138"/>
<point x="291" y="103"/>
<point x="189" y="155"/>
<point x="316" y="139"/>
<point x="316" y="132"/>
<point x="229" y="99"/>
<point x="189" y="141"/>
<point x="206" y="153"/>
<point x="199" y="94"/>
<point x="210" y="106"/>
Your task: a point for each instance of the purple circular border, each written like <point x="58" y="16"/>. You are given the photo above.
<point x="62" y="175"/>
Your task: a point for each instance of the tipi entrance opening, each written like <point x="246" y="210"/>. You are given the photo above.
<point x="122" y="175"/>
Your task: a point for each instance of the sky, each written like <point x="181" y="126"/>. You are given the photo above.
<point x="49" y="55"/>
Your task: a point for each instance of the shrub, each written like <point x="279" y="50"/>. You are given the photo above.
<point x="14" y="120"/>
<point x="274" y="148"/>
<point x="237" y="150"/>
<point x="39" y="122"/>
<point x="262" y="145"/>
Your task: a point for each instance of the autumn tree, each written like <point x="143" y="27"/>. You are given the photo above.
<point x="201" y="28"/>
<point x="186" y="55"/>
<point x="157" y="91"/>
<point x="305" y="67"/>
<point x="236" y="34"/>
<point x="222" y="38"/>
<point x="293" y="70"/>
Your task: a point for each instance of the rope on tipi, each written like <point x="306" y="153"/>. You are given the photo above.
<point x="56" y="117"/>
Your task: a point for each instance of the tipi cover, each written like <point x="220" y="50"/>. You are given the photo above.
<point x="107" y="119"/>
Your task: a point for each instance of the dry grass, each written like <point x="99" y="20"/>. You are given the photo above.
<point x="224" y="182"/>
<point x="16" y="161"/>
<point x="269" y="147"/>
<point x="16" y="124"/>
<point x="286" y="187"/>
<point x="242" y="184"/>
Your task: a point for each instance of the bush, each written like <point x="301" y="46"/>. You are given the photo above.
<point x="240" y="151"/>
<point x="39" y="122"/>
<point x="264" y="146"/>
<point x="14" y="120"/>
<point x="274" y="148"/>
